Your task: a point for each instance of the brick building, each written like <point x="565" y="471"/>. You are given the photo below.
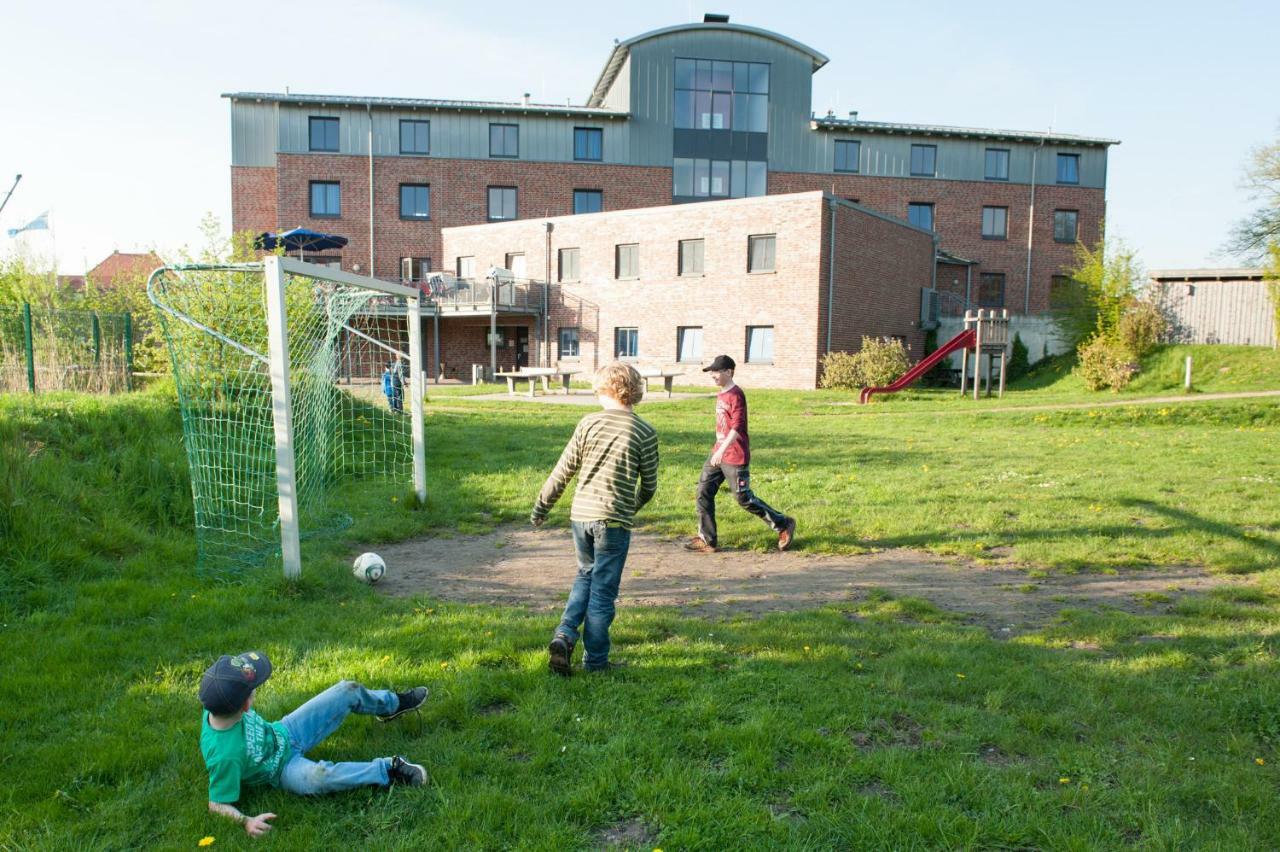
<point x="775" y="282"/>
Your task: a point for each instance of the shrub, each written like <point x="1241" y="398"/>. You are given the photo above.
<point x="1019" y="359"/>
<point x="877" y="363"/>
<point x="1105" y="364"/>
<point x="1140" y="328"/>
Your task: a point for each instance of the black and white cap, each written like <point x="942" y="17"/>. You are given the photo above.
<point x="228" y="682"/>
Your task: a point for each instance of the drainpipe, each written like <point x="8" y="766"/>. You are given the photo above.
<point x="968" y="285"/>
<point x="368" y="107"/>
<point x="1031" y="228"/>
<point x="831" y="271"/>
<point x="546" y="301"/>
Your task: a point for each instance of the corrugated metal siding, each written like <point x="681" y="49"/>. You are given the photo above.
<point x="619" y="97"/>
<point x="1239" y="312"/>
<point x="253" y="133"/>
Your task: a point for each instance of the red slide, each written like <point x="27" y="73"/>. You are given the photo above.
<point x="963" y="340"/>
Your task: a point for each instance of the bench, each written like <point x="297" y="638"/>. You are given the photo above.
<point x="535" y="374"/>
<point x="666" y="376"/>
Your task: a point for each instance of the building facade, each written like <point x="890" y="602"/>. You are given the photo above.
<point x="688" y="113"/>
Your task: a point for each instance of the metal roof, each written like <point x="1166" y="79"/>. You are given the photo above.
<point x="853" y="125"/>
<point x="426" y="103"/>
<point x="1228" y="274"/>
<point x="623" y="48"/>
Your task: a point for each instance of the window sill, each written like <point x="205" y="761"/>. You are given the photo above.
<point x="415" y="153"/>
<point x="845" y="171"/>
<point x="588" y="160"/>
<point x="415" y="218"/>
<point x="323" y="151"/>
<point x="762" y="272"/>
<point x="326" y="215"/>
<point x="628" y="278"/>
<point x="693" y="275"/>
<point x="759" y="363"/>
<point x="504" y="156"/>
<point x="996" y="239"/>
<point x="1065" y="242"/>
<point x="934" y="175"/>
<point x="1068" y="183"/>
<point x="997" y="180"/>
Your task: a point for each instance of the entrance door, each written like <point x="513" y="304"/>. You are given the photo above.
<point x="522" y="346"/>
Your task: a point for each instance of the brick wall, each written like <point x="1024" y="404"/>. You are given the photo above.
<point x="253" y="199"/>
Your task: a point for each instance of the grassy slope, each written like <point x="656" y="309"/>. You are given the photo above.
<point x="841" y="727"/>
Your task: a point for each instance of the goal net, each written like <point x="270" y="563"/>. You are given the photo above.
<point x="279" y="367"/>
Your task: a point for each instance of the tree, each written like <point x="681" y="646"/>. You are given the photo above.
<point x="1273" y="284"/>
<point x="1105" y="280"/>
<point x="1252" y="235"/>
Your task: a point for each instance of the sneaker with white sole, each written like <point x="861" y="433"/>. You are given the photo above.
<point x="560" y="655"/>
<point x="406" y="773"/>
<point x="409" y="701"/>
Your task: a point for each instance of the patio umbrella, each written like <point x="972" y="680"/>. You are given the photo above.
<point x="301" y="240"/>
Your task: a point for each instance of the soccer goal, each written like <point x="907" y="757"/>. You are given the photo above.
<point x="279" y="367"/>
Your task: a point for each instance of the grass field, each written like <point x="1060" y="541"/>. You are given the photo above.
<point x="883" y="723"/>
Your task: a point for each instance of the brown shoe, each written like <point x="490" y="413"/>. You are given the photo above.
<point x="698" y="544"/>
<point x="787" y="535"/>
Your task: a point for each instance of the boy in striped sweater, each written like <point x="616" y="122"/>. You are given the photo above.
<point x="615" y="455"/>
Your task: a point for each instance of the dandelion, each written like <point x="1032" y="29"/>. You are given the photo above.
<point x="206" y="841"/>
<point x="1259" y="761"/>
<point x="1064" y="780"/>
<point x="395" y="499"/>
<point x="960" y="676"/>
<point x="925" y="468"/>
<point x="444" y="665"/>
<point x="386" y="658"/>
<point x="857" y="665"/>
<point x="806" y="647"/>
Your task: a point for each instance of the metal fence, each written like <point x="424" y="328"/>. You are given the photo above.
<point x="47" y="350"/>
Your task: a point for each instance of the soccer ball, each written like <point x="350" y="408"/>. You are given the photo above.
<point x="369" y="568"/>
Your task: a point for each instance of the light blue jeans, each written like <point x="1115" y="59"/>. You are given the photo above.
<point x="317" y="719"/>
<point x="602" y="551"/>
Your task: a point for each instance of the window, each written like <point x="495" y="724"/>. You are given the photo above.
<point x="466" y="267"/>
<point x="514" y="263"/>
<point x="502" y="203"/>
<point x="1065" y="226"/>
<point x="997" y="164"/>
<point x="759" y="344"/>
<point x="588" y="144"/>
<point x="414" y="268"/>
<point x="995" y="223"/>
<point x="415" y="201"/>
<point x="691" y="254"/>
<point x="1062" y="292"/>
<point x="920" y="215"/>
<point x="415" y="137"/>
<point x="627" y="261"/>
<point x="1068" y="168"/>
<point x="323" y="134"/>
<point x="761" y="255"/>
<point x="626" y="342"/>
<point x="714" y="95"/>
<point x="568" y="264"/>
<point x="504" y="140"/>
<point x="588" y="200"/>
<point x="718" y="178"/>
<point x="991" y="290"/>
<point x="689" y="343"/>
<point x="326" y="199"/>
<point x="924" y="160"/>
<point x="847" y="155"/>
<point x="568" y="346"/>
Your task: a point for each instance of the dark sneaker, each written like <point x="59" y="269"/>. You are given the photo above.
<point x="560" y="655"/>
<point x="404" y="772"/>
<point x="698" y="544"/>
<point x="787" y="535"/>
<point x="410" y="700"/>
<point x="611" y="665"/>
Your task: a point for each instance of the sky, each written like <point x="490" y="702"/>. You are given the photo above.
<point x="112" y="112"/>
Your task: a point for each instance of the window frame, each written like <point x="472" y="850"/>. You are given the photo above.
<point x="1064" y="157"/>
<point x="840" y="144"/>
<point x="1075" y="226"/>
<point x="515" y="203"/>
<point x="987" y="277"/>
<point x="1004" y="221"/>
<point x="457" y="266"/>
<point x="415" y="121"/>
<point x="311" y="199"/>
<point x="933" y="217"/>
<point x="561" y="254"/>
<point x="986" y="162"/>
<point x="508" y="130"/>
<point x="922" y="146"/>
<point x="561" y="355"/>
<point x="773" y="254"/>
<point x="413" y="217"/>
<point x="633" y="332"/>
<point x="587" y="133"/>
<point x="312" y="120"/>
<point x="681" y="269"/>
<point x="680" y="338"/>
<point x="751" y="329"/>
<point x="598" y="193"/>
<point x="633" y="249"/>
<point x="422" y="263"/>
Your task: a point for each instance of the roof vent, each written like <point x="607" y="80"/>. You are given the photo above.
<point x="525" y="99"/>
<point x="853" y="115"/>
<point x="715" y="18"/>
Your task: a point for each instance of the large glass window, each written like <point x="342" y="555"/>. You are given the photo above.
<point x="997" y="164"/>
<point x="502" y="203"/>
<point x="504" y="140"/>
<point x="995" y="223"/>
<point x="689" y="344"/>
<point x="1065" y="226"/>
<point x="718" y="178"/>
<point x="569" y="264"/>
<point x="715" y="95"/>
<point x="568" y="346"/>
<point x="627" y="260"/>
<point x="323" y="134"/>
<point x="414" y="268"/>
<point x="920" y="215"/>
<point x="759" y="344"/>
<point x="326" y="199"/>
<point x="847" y="153"/>
<point x="466" y="267"/>
<point x="626" y="343"/>
<point x="924" y="160"/>
<point x="991" y="290"/>
<point x="1068" y="168"/>
<point x="691" y="256"/>
<point x="515" y="264"/>
<point x="415" y="137"/>
<point x="762" y="253"/>
<point x="588" y="200"/>
<point x="415" y="201"/>
<point x="588" y="143"/>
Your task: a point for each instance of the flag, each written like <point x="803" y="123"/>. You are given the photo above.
<point x="40" y="223"/>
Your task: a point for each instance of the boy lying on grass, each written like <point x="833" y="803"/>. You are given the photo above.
<point x="241" y="748"/>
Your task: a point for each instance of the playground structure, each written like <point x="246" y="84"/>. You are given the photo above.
<point x="986" y="332"/>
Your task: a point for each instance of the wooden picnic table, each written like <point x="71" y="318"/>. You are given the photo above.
<point x="533" y="375"/>
<point x="667" y="379"/>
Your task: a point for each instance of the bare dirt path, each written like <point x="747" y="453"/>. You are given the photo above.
<point x="536" y="568"/>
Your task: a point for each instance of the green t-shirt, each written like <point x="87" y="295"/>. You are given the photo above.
<point x="251" y="752"/>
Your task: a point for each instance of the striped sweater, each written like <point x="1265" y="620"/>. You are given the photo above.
<point x="615" y="455"/>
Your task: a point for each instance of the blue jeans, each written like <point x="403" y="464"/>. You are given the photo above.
<point x="317" y="719"/>
<point x="602" y="551"/>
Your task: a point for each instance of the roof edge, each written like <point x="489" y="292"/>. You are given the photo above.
<point x="422" y="103"/>
<point x="852" y="125"/>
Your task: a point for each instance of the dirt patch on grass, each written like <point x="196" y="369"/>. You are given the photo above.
<point x="631" y="834"/>
<point x="536" y="569"/>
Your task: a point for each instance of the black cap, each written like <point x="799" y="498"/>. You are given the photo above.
<point x="722" y="362"/>
<point x="228" y="682"/>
